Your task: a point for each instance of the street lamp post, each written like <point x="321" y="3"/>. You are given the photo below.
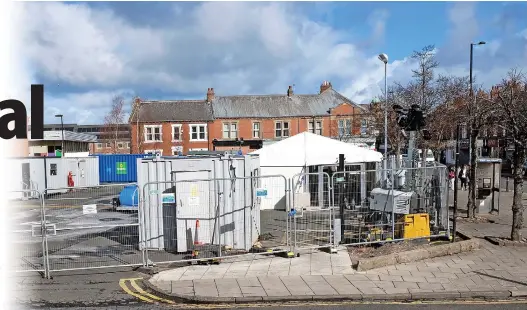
<point x="62" y="129"/>
<point x="472" y="97"/>
<point x="384" y="59"/>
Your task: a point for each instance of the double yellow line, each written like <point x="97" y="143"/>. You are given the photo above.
<point x="135" y="290"/>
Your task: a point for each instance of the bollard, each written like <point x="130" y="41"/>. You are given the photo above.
<point x="507" y="184"/>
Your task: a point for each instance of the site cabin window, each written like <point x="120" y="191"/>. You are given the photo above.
<point x="53" y="169"/>
<point x="316" y="127"/>
<point x="198" y="132"/>
<point x="256" y="130"/>
<point x="281" y="129"/>
<point x="153" y="133"/>
<point x="176" y="133"/>
<point x="344" y="126"/>
<point x="230" y="130"/>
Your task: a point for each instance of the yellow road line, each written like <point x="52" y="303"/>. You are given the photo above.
<point x="142" y="292"/>
<point x="122" y="284"/>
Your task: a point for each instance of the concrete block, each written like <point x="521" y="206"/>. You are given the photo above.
<point x="376" y="262"/>
<point x="242" y="300"/>
<point x="411" y="256"/>
<point x="436" y="295"/>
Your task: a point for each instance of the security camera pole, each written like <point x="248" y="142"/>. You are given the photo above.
<point x="384" y="59"/>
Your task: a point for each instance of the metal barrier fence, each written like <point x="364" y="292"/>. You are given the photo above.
<point x="27" y="236"/>
<point x="85" y="231"/>
<point x="209" y="219"/>
<point x="212" y="219"/>
<point x="312" y="205"/>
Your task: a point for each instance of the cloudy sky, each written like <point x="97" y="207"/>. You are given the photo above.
<point x="87" y="53"/>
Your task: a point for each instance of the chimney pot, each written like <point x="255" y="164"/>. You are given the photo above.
<point x="325" y="85"/>
<point x="210" y="94"/>
<point x="290" y="91"/>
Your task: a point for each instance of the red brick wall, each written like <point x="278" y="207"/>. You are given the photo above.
<point x="166" y="144"/>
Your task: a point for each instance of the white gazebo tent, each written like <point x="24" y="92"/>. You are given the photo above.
<point x="293" y="156"/>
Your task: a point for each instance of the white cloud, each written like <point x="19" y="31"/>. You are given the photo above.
<point x="235" y="47"/>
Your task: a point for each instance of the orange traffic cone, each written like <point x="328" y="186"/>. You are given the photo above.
<point x="196" y="238"/>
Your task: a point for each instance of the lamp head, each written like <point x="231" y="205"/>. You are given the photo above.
<point x="384" y="58"/>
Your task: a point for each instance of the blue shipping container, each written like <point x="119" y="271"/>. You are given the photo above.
<point x="118" y="168"/>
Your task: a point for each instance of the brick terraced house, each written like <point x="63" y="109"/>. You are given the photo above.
<point x="245" y="122"/>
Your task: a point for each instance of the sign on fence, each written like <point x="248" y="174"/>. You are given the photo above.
<point x="261" y="192"/>
<point x="169" y="198"/>
<point x="89" y="209"/>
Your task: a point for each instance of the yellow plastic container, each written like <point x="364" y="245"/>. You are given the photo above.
<point x="414" y="226"/>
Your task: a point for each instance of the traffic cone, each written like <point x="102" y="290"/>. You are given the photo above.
<point x="196" y="238"/>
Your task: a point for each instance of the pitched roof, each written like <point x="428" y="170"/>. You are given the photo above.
<point x="245" y="106"/>
<point x="272" y="106"/>
<point x="174" y="110"/>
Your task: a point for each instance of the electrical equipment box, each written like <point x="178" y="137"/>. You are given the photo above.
<point x="383" y="200"/>
<point x="413" y="226"/>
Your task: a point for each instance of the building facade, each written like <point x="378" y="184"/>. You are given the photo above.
<point x="113" y="139"/>
<point x="246" y="123"/>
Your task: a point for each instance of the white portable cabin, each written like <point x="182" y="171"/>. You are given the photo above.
<point x="40" y="173"/>
<point x="295" y="155"/>
<point x="226" y="209"/>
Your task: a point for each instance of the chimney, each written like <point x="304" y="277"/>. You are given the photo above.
<point x="324" y="86"/>
<point x="210" y="95"/>
<point x="290" y="91"/>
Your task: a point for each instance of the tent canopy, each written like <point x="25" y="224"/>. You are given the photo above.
<point x="309" y="149"/>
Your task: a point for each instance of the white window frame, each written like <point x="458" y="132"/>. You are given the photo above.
<point x="108" y="144"/>
<point x="99" y="145"/>
<point x="344" y="130"/>
<point x="178" y="127"/>
<point x="230" y="133"/>
<point x="281" y="129"/>
<point x="153" y="127"/>
<point x="154" y="151"/>
<point x="192" y="126"/>
<point x="120" y="145"/>
<point x="318" y="126"/>
<point x="257" y="133"/>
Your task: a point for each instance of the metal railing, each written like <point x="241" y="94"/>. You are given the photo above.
<point x="199" y="220"/>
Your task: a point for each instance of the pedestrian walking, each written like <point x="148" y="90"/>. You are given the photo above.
<point x="463" y="177"/>
<point x="451" y="177"/>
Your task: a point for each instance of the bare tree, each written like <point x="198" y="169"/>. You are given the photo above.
<point x="112" y="122"/>
<point x="511" y="99"/>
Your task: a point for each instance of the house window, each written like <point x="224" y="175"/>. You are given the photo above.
<point x="127" y="145"/>
<point x="463" y="130"/>
<point x="153" y="152"/>
<point x="198" y="132"/>
<point x="281" y="129"/>
<point x="176" y="133"/>
<point x="256" y="130"/>
<point x="152" y="133"/>
<point x="315" y="127"/>
<point x="120" y="145"/>
<point x="230" y="130"/>
<point x="344" y="126"/>
<point x="99" y="145"/>
<point x="363" y="126"/>
<point x="108" y="144"/>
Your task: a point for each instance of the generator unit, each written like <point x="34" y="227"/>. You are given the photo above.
<point x="383" y="200"/>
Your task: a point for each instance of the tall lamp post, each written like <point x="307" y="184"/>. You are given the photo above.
<point x="62" y="129"/>
<point x="472" y="97"/>
<point x="384" y="59"/>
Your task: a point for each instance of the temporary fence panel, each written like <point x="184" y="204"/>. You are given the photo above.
<point x="212" y="218"/>
<point x="312" y="210"/>
<point x="384" y="212"/>
<point x="26" y="235"/>
<point x="118" y="168"/>
<point x="88" y="232"/>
